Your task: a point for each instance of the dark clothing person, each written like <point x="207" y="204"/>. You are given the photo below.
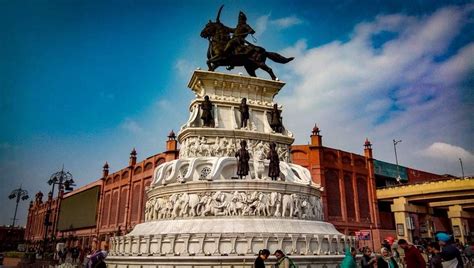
<point x="450" y="252"/>
<point x="367" y="261"/>
<point x="435" y="261"/>
<point x="386" y="262"/>
<point x="259" y="263"/>
<point x="413" y="258"/>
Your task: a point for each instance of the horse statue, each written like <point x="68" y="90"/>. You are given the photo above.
<point x="252" y="58"/>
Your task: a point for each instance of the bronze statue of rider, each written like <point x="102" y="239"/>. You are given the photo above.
<point x="237" y="44"/>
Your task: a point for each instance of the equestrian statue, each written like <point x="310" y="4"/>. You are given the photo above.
<point x="228" y="47"/>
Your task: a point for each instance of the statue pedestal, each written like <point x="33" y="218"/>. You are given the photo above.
<point x="199" y="214"/>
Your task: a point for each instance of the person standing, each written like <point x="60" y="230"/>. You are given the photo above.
<point x="449" y="252"/>
<point x="349" y="260"/>
<point x="413" y="258"/>
<point x="386" y="260"/>
<point x="435" y="260"/>
<point x="262" y="256"/>
<point x="368" y="260"/>
<point x="283" y="261"/>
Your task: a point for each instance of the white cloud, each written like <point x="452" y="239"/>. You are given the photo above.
<point x="264" y="21"/>
<point x="447" y="151"/>
<point x="131" y="126"/>
<point x="184" y="67"/>
<point x="399" y="89"/>
<point x="287" y="22"/>
<point x="261" y="25"/>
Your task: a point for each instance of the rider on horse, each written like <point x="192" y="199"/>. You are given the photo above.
<point x="238" y="44"/>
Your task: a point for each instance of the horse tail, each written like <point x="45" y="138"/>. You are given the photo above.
<point x="277" y="57"/>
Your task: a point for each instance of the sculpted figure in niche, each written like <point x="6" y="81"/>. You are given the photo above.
<point x="206" y="112"/>
<point x="243" y="158"/>
<point x="258" y="157"/>
<point x="274" y="166"/>
<point x="244" y="113"/>
<point x="275" y="119"/>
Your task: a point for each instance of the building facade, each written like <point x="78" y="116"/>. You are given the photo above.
<point x="120" y="202"/>
<point x="352" y="184"/>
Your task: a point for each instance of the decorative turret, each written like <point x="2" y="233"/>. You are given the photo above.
<point x="133" y="158"/>
<point x="316" y="138"/>
<point x="105" y="170"/>
<point x="368" y="149"/>
<point x="171" y="147"/>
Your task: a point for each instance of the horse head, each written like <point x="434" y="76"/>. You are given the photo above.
<point x="211" y="27"/>
<point x="209" y="30"/>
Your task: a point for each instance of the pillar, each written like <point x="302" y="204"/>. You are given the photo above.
<point x="399" y="208"/>
<point x="455" y="213"/>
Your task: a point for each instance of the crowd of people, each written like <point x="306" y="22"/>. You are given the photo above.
<point x="442" y="253"/>
<point x="74" y="256"/>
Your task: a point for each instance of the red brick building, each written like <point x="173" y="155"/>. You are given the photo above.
<point x="120" y="201"/>
<point x="350" y="181"/>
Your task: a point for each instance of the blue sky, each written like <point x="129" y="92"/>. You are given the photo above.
<point x="83" y="82"/>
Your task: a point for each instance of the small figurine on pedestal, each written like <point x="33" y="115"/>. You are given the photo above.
<point x="243" y="158"/>
<point x="206" y="114"/>
<point x="274" y="166"/>
<point x="275" y="119"/>
<point x="244" y="113"/>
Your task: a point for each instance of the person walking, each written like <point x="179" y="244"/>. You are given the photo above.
<point x="413" y="258"/>
<point x="262" y="256"/>
<point x="386" y="260"/>
<point x="349" y="261"/>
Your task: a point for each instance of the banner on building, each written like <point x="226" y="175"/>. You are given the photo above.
<point x="363" y="235"/>
<point x="390" y="170"/>
<point x="79" y="210"/>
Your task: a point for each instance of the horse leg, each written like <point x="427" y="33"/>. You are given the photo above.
<point x="250" y="70"/>
<point x="209" y="66"/>
<point x="269" y="70"/>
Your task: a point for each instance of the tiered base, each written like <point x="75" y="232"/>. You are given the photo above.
<point x="330" y="261"/>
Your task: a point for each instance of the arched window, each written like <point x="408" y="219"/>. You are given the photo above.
<point x="138" y="170"/>
<point x="349" y="192"/>
<point x="159" y="162"/>
<point x="363" y="196"/>
<point x="113" y="210"/>
<point x="333" y="193"/>
<point x="136" y="202"/>
<point x="105" y="210"/>
<point x="148" y="166"/>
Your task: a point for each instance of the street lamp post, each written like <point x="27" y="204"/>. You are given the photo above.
<point x="395" y="142"/>
<point x="462" y="168"/>
<point x="19" y="194"/>
<point x="65" y="182"/>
